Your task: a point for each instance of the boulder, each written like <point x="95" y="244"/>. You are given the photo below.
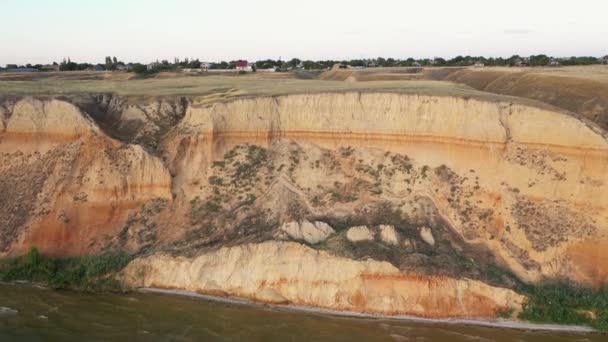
<point x="389" y="235"/>
<point x="427" y="235"/>
<point x="359" y="233"/>
<point x="309" y="232"/>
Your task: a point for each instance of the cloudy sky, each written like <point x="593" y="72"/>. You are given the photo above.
<point x="42" y="31"/>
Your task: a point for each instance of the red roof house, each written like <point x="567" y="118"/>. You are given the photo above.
<point x="242" y="65"/>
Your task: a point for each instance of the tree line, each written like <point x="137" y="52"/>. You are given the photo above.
<point x="112" y="63"/>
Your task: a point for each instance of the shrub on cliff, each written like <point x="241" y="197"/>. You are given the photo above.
<point x="563" y="303"/>
<point x="89" y="273"/>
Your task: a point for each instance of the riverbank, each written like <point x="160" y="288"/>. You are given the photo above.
<point x="36" y="314"/>
<point x="494" y="323"/>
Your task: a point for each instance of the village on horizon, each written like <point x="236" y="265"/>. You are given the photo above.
<point x="269" y="65"/>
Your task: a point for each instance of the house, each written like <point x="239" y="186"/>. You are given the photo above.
<point x="416" y="64"/>
<point x="242" y="66"/>
<point x="205" y="66"/>
<point x="604" y="60"/>
<point x="339" y="66"/>
<point x="553" y="63"/>
<point x="50" y="67"/>
<point x="478" y="65"/>
<point x="153" y="66"/>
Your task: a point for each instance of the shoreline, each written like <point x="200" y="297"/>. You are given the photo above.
<point x="492" y="323"/>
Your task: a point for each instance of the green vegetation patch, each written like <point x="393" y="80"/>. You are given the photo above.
<point x="86" y="273"/>
<point x="562" y="303"/>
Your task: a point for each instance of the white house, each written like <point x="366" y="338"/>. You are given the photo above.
<point x="153" y="66"/>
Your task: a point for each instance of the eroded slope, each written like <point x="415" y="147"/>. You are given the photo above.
<point x="440" y="190"/>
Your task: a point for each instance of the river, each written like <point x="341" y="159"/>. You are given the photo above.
<point x="36" y="314"/>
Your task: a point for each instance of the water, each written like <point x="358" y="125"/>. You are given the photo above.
<point x="33" y="314"/>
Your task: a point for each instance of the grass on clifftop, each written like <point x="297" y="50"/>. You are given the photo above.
<point x="562" y="303"/>
<point x="87" y="273"/>
<point x="217" y="88"/>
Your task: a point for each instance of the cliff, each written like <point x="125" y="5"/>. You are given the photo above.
<point x="289" y="273"/>
<point x="584" y="95"/>
<point x="218" y="195"/>
<point x="66" y="187"/>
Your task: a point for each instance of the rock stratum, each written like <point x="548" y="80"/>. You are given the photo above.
<point x="433" y="206"/>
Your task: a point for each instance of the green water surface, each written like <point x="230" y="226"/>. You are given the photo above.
<point x="34" y="314"/>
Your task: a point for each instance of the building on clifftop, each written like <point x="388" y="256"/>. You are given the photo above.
<point x="243" y="66"/>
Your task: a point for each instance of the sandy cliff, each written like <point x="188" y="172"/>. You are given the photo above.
<point x="66" y="187"/>
<point x="461" y="185"/>
<point x="289" y="273"/>
<point x="503" y="177"/>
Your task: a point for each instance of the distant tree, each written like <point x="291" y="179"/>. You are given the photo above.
<point x="293" y="63"/>
<point x="539" y="60"/>
<point x="195" y="64"/>
<point x="439" y="61"/>
<point x="139" y="68"/>
<point x="68" y="65"/>
<point x="108" y="64"/>
<point x="357" y="63"/>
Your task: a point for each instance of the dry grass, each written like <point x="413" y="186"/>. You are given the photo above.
<point x="592" y="72"/>
<point x="582" y="90"/>
<point x="597" y="73"/>
<point x="586" y="94"/>
<point x="216" y="87"/>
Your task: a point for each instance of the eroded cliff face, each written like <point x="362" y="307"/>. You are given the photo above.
<point x="526" y="183"/>
<point x="66" y="187"/>
<point x="446" y="190"/>
<point x="290" y="273"/>
<point x="585" y="96"/>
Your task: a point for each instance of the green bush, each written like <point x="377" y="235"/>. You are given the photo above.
<point x="563" y="303"/>
<point x="89" y="273"/>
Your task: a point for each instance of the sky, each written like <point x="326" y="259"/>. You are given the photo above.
<point x="43" y="31"/>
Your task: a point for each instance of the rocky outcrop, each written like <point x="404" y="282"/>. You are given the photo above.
<point x="359" y="233"/>
<point x="309" y="232"/>
<point x="289" y="273"/>
<point x="427" y="235"/>
<point x="388" y="234"/>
